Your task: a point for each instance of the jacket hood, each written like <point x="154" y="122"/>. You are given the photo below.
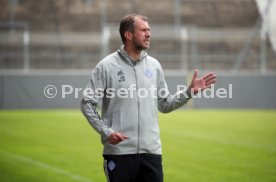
<point x="127" y="58"/>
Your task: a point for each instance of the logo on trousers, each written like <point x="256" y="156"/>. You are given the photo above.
<point x="111" y="165"/>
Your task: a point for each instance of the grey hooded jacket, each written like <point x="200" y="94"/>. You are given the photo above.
<point x="126" y="108"/>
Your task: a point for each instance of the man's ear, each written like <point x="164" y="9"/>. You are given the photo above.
<point x="128" y="35"/>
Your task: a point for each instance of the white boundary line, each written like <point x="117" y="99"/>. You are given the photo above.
<point x="45" y="166"/>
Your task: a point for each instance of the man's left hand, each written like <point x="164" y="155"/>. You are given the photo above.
<point x="200" y="84"/>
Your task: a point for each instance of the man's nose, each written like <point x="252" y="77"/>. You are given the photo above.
<point x="148" y="34"/>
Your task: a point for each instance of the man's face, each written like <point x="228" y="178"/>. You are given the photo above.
<point x="141" y="34"/>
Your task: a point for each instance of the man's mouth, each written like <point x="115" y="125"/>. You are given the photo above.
<point x="147" y="41"/>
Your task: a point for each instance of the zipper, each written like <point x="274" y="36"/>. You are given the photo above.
<point x="128" y="60"/>
<point x="138" y="104"/>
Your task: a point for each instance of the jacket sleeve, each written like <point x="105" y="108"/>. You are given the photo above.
<point x="168" y="102"/>
<point x="91" y="96"/>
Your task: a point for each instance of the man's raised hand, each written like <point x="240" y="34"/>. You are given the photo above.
<point x="199" y="84"/>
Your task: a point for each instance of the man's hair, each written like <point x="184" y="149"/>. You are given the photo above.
<point x="127" y="24"/>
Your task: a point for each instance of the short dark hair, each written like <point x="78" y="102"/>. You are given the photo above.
<point x="127" y="24"/>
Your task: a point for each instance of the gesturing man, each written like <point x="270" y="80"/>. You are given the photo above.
<point x="128" y="124"/>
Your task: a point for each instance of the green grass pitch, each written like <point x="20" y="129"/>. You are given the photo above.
<point x="198" y="145"/>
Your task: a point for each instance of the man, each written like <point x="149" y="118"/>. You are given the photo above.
<point x="129" y="125"/>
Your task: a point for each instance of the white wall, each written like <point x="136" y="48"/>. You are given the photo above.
<point x="271" y="19"/>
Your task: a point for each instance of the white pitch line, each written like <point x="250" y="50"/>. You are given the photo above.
<point x="46" y="166"/>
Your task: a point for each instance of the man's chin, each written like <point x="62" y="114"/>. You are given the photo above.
<point x="141" y="48"/>
<point x="146" y="47"/>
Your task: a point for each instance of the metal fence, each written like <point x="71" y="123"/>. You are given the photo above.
<point x="177" y="46"/>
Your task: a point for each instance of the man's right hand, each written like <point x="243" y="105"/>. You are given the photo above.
<point x="116" y="138"/>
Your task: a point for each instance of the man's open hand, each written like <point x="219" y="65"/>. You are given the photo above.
<point x="199" y="84"/>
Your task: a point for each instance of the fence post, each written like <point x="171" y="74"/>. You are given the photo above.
<point x="26" y="42"/>
<point x="184" y="49"/>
